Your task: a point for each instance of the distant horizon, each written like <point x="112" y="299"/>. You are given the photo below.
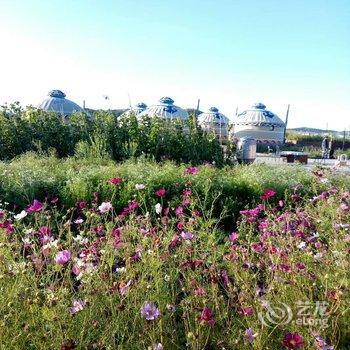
<point x="228" y="54"/>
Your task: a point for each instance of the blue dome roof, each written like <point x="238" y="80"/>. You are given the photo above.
<point x="56" y="102"/>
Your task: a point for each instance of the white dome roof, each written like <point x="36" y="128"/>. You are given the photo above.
<point x="257" y="115"/>
<point x="56" y="102"/>
<point x="260" y="124"/>
<point x="165" y="109"/>
<point x="212" y="116"/>
<point x="137" y="109"/>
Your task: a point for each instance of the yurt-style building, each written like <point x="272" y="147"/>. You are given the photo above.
<point x="165" y="109"/>
<point x="260" y="124"/>
<point x="137" y="109"/>
<point x="57" y="102"/>
<point x="215" y="122"/>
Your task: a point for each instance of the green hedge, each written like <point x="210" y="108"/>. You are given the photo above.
<point x="119" y="138"/>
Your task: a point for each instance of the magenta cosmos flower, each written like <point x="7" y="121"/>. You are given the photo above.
<point x="35" y="207"/>
<point x="268" y="193"/>
<point x="207" y="316"/>
<point x="62" y="257"/>
<point x="246" y="311"/>
<point x="293" y="341"/>
<point x="149" y="311"/>
<point x="161" y="192"/>
<point x="115" y="181"/>
<point x="233" y="237"/>
<point x="192" y="170"/>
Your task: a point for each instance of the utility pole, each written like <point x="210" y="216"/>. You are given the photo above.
<point x="197" y="109"/>
<point x="285" y="127"/>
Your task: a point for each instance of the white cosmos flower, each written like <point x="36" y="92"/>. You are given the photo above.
<point x="105" y="207"/>
<point x="21" y="215"/>
<point x="302" y="245"/>
<point x="158" y="207"/>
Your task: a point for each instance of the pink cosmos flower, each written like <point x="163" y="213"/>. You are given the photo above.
<point x="7" y="226"/>
<point x="344" y="206"/>
<point x="149" y="311"/>
<point x="78" y="305"/>
<point x="225" y="278"/>
<point x="81" y="205"/>
<point x="293" y="341"/>
<point x="179" y="211"/>
<point x="233" y="237"/>
<point x="285" y="267"/>
<point x="300" y="265"/>
<point x="199" y="292"/>
<point x="257" y="247"/>
<point x="132" y="206"/>
<point x="62" y="257"/>
<point x="187" y="235"/>
<point x="191" y="170"/>
<point x="35" y="207"/>
<point x="246" y="311"/>
<point x="124" y="288"/>
<point x="45" y="234"/>
<point x="115" y="181"/>
<point x="187" y="192"/>
<point x="268" y="193"/>
<point x="105" y="207"/>
<point x="207" y="316"/>
<point x="161" y="192"/>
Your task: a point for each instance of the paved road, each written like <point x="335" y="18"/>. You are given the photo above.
<point x="329" y="163"/>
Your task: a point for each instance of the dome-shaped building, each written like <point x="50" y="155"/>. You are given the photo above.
<point x="137" y="109"/>
<point x="56" y="102"/>
<point x="216" y="122"/>
<point x="260" y="124"/>
<point x="165" y="109"/>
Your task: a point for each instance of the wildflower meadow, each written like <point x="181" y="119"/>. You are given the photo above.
<point x="160" y="256"/>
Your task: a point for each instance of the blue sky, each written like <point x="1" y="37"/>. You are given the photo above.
<point x="227" y="53"/>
